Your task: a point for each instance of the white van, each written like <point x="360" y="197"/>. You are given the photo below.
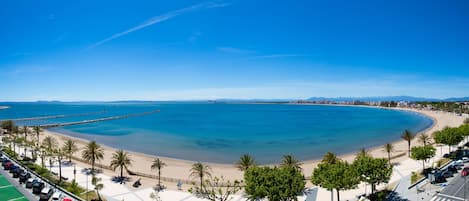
<point x="45" y="194"/>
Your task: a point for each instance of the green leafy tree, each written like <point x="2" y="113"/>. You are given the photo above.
<point x="389" y="148"/>
<point x="290" y="161"/>
<point x="158" y="165"/>
<point x="245" y="162"/>
<point x="423" y="153"/>
<point x="217" y="189"/>
<point x="120" y="159"/>
<point x="408" y="136"/>
<point x="93" y="152"/>
<point x="70" y="148"/>
<point x="339" y="176"/>
<point x="373" y="171"/>
<point x="200" y="171"/>
<point x="284" y="183"/>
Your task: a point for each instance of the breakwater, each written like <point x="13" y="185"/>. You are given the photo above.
<point x="98" y="120"/>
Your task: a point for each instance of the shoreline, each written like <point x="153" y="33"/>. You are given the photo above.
<point x="179" y="168"/>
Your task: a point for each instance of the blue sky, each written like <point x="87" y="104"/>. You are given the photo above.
<point x="168" y="50"/>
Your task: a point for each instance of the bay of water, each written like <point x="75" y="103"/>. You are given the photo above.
<point x="220" y="133"/>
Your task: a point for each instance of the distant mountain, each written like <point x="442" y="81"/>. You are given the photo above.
<point x="457" y="99"/>
<point x="377" y="99"/>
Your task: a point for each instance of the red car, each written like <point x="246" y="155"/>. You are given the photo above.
<point x="465" y="171"/>
<point x="8" y="165"/>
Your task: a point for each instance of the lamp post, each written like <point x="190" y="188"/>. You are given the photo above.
<point x="75" y="172"/>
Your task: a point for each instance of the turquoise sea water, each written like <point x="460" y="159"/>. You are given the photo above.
<point x="222" y="132"/>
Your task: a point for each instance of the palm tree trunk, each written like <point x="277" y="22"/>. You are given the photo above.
<point x="201" y="182"/>
<point x="159" y="178"/>
<point x="92" y="166"/>
<point x="122" y="168"/>
<point x="409" y="147"/>
<point x="389" y="157"/>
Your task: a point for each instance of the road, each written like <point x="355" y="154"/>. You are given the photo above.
<point x="455" y="191"/>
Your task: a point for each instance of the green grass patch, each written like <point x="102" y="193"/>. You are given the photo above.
<point x="415" y="177"/>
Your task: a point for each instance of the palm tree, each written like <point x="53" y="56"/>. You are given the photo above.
<point x="424" y="138"/>
<point x="92" y="153"/>
<point x="200" y="171"/>
<point x="49" y="144"/>
<point x="245" y="162"/>
<point x="25" y="131"/>
<point x="14" y="135"/>
<point x="97" y="185"/>
<point x="388" y="148"/>
<point x="60" y="155"/>
<point x="290" y="161"/>
<point x="120" y="159"/>
<point x="158" y="165"/>
<point x="330" y="158"/>
<point x="362" y="153"/>
<point x="38" y="131"/>
<point x="407" y="136"/>
<point x="70" y="148"/>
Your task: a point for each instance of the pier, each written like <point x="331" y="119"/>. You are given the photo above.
<point x="54" y="116"/>
<point x="98" y="120"/>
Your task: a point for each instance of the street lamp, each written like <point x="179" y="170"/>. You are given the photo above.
<point x="75" y="172"/>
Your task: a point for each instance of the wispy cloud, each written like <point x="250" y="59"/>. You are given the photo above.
<point x="275" y="56"/>
<point x="162" y="18"/>
<point x="234" y="50"/>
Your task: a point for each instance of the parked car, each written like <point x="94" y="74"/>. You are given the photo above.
<point x="465" y="171"/>
<point x="458" y="163"/>
<point x="17" y="172"/>
<point x="57" y="196"/>
<point x="46" y="193"/>
<point x="452" y="168"/>
<point x="30" y="182"/>
<point x="447" y="173"/>
<point x="8" y="165"/>
<point x="37" y="187"/>
<point x="13" y="168"/>
<point x="24" y="177"/>
<point x="465" y="159"/>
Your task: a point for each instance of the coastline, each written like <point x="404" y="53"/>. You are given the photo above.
<point x="180" y="169"/>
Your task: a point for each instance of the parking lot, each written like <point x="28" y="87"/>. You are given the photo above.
<point x="456" y="187"/>
<point x="17" y="183"/>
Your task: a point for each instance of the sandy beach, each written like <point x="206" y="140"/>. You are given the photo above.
<point x="180" y="169"/>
